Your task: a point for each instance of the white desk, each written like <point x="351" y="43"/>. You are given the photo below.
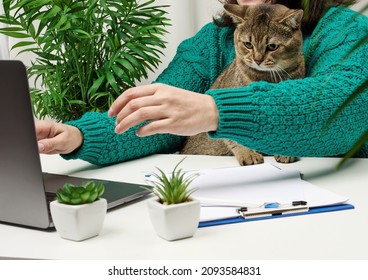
<point x="128" y="234"/>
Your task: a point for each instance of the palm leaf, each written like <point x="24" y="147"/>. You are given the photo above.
<point x="358" y="145"/>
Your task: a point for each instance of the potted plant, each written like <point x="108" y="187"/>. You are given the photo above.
<point x="78" y="212"/>
<point x="173" y="212"/>
<point x="87" y="52"/>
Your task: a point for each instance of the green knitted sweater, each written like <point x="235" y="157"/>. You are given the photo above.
<point x="285" y="118"/>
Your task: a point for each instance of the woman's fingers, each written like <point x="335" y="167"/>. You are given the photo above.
<point x="137" y="116"/>
<point x="57" y="138"/>
<point x="129" y="95"/>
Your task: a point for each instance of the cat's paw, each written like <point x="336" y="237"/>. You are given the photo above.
<point x="249" y="157"/>
<point x="284" y="159"/>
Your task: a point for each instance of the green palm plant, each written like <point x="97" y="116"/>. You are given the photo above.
<point x="87" y="51"/>
<point x="173" y="189"/>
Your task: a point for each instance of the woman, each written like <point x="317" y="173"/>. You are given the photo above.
<point x="287" y="118"/>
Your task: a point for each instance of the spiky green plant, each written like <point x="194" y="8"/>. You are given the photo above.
<point x="87" y="192"/>
<point x="173" y="188"/>
<point x="87" y="51"/>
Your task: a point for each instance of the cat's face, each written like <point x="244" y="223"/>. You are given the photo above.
<point x="267" y="37"/>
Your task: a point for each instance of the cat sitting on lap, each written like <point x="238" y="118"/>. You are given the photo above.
<point x="268" y="46"/>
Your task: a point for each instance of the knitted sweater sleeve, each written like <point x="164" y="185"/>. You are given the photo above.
<point x="102" y="146"/>
<point x="289" y="118"/>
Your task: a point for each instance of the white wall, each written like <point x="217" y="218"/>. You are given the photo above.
<point x="360" y="5"/>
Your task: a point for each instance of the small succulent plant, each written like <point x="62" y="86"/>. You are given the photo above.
<point x="87" y="192"/>
<point x="174" y="188"/>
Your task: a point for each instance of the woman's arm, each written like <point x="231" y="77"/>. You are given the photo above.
<point x="102" y="146"/>
<point x="188" y="70"/>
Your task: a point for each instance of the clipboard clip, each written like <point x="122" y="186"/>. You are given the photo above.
<point x="273" y="209"/>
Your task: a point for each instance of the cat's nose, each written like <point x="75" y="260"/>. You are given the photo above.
<point x="258" y="61"/>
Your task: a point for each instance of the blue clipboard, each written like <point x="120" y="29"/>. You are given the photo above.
<point x="312" y="210"/>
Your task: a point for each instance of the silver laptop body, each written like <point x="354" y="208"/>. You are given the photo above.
<point x="24" y="190"/>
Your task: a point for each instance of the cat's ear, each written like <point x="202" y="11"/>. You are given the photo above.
<point x="292" y="18"/>
<point x="236" y="12"/>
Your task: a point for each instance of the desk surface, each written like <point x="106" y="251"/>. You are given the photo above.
<point x="128" y="233"/>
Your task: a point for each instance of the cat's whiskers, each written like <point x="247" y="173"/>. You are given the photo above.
<point x="278" y="74"/>
<point x="272" y="75"/>
<point x="282" y="70"/>
<point x="275" y="75"/>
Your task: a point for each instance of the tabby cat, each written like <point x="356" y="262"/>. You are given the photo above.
<point x="268" y="46"/>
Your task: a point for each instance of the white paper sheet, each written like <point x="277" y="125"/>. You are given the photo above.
<point x="222" y="191"/>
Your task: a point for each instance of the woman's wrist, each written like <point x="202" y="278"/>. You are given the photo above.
<point x="77" y="136"/>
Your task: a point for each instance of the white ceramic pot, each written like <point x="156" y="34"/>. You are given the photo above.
<point x="176" y="221"/>
<point x="78" y="222"/>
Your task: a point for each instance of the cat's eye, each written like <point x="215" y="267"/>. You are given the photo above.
<point x="272" y="47"/>
<point x="248" y="45"/>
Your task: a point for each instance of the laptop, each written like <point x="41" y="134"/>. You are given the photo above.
<point x="25" y="191"/>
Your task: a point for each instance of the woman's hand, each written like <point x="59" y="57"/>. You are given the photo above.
<point x="166" y="109"/>
<point x="57" y="138"/>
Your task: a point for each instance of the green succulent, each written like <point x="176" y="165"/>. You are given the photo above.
<point x="87" y="192"/>
<point x="172" y="189"/>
